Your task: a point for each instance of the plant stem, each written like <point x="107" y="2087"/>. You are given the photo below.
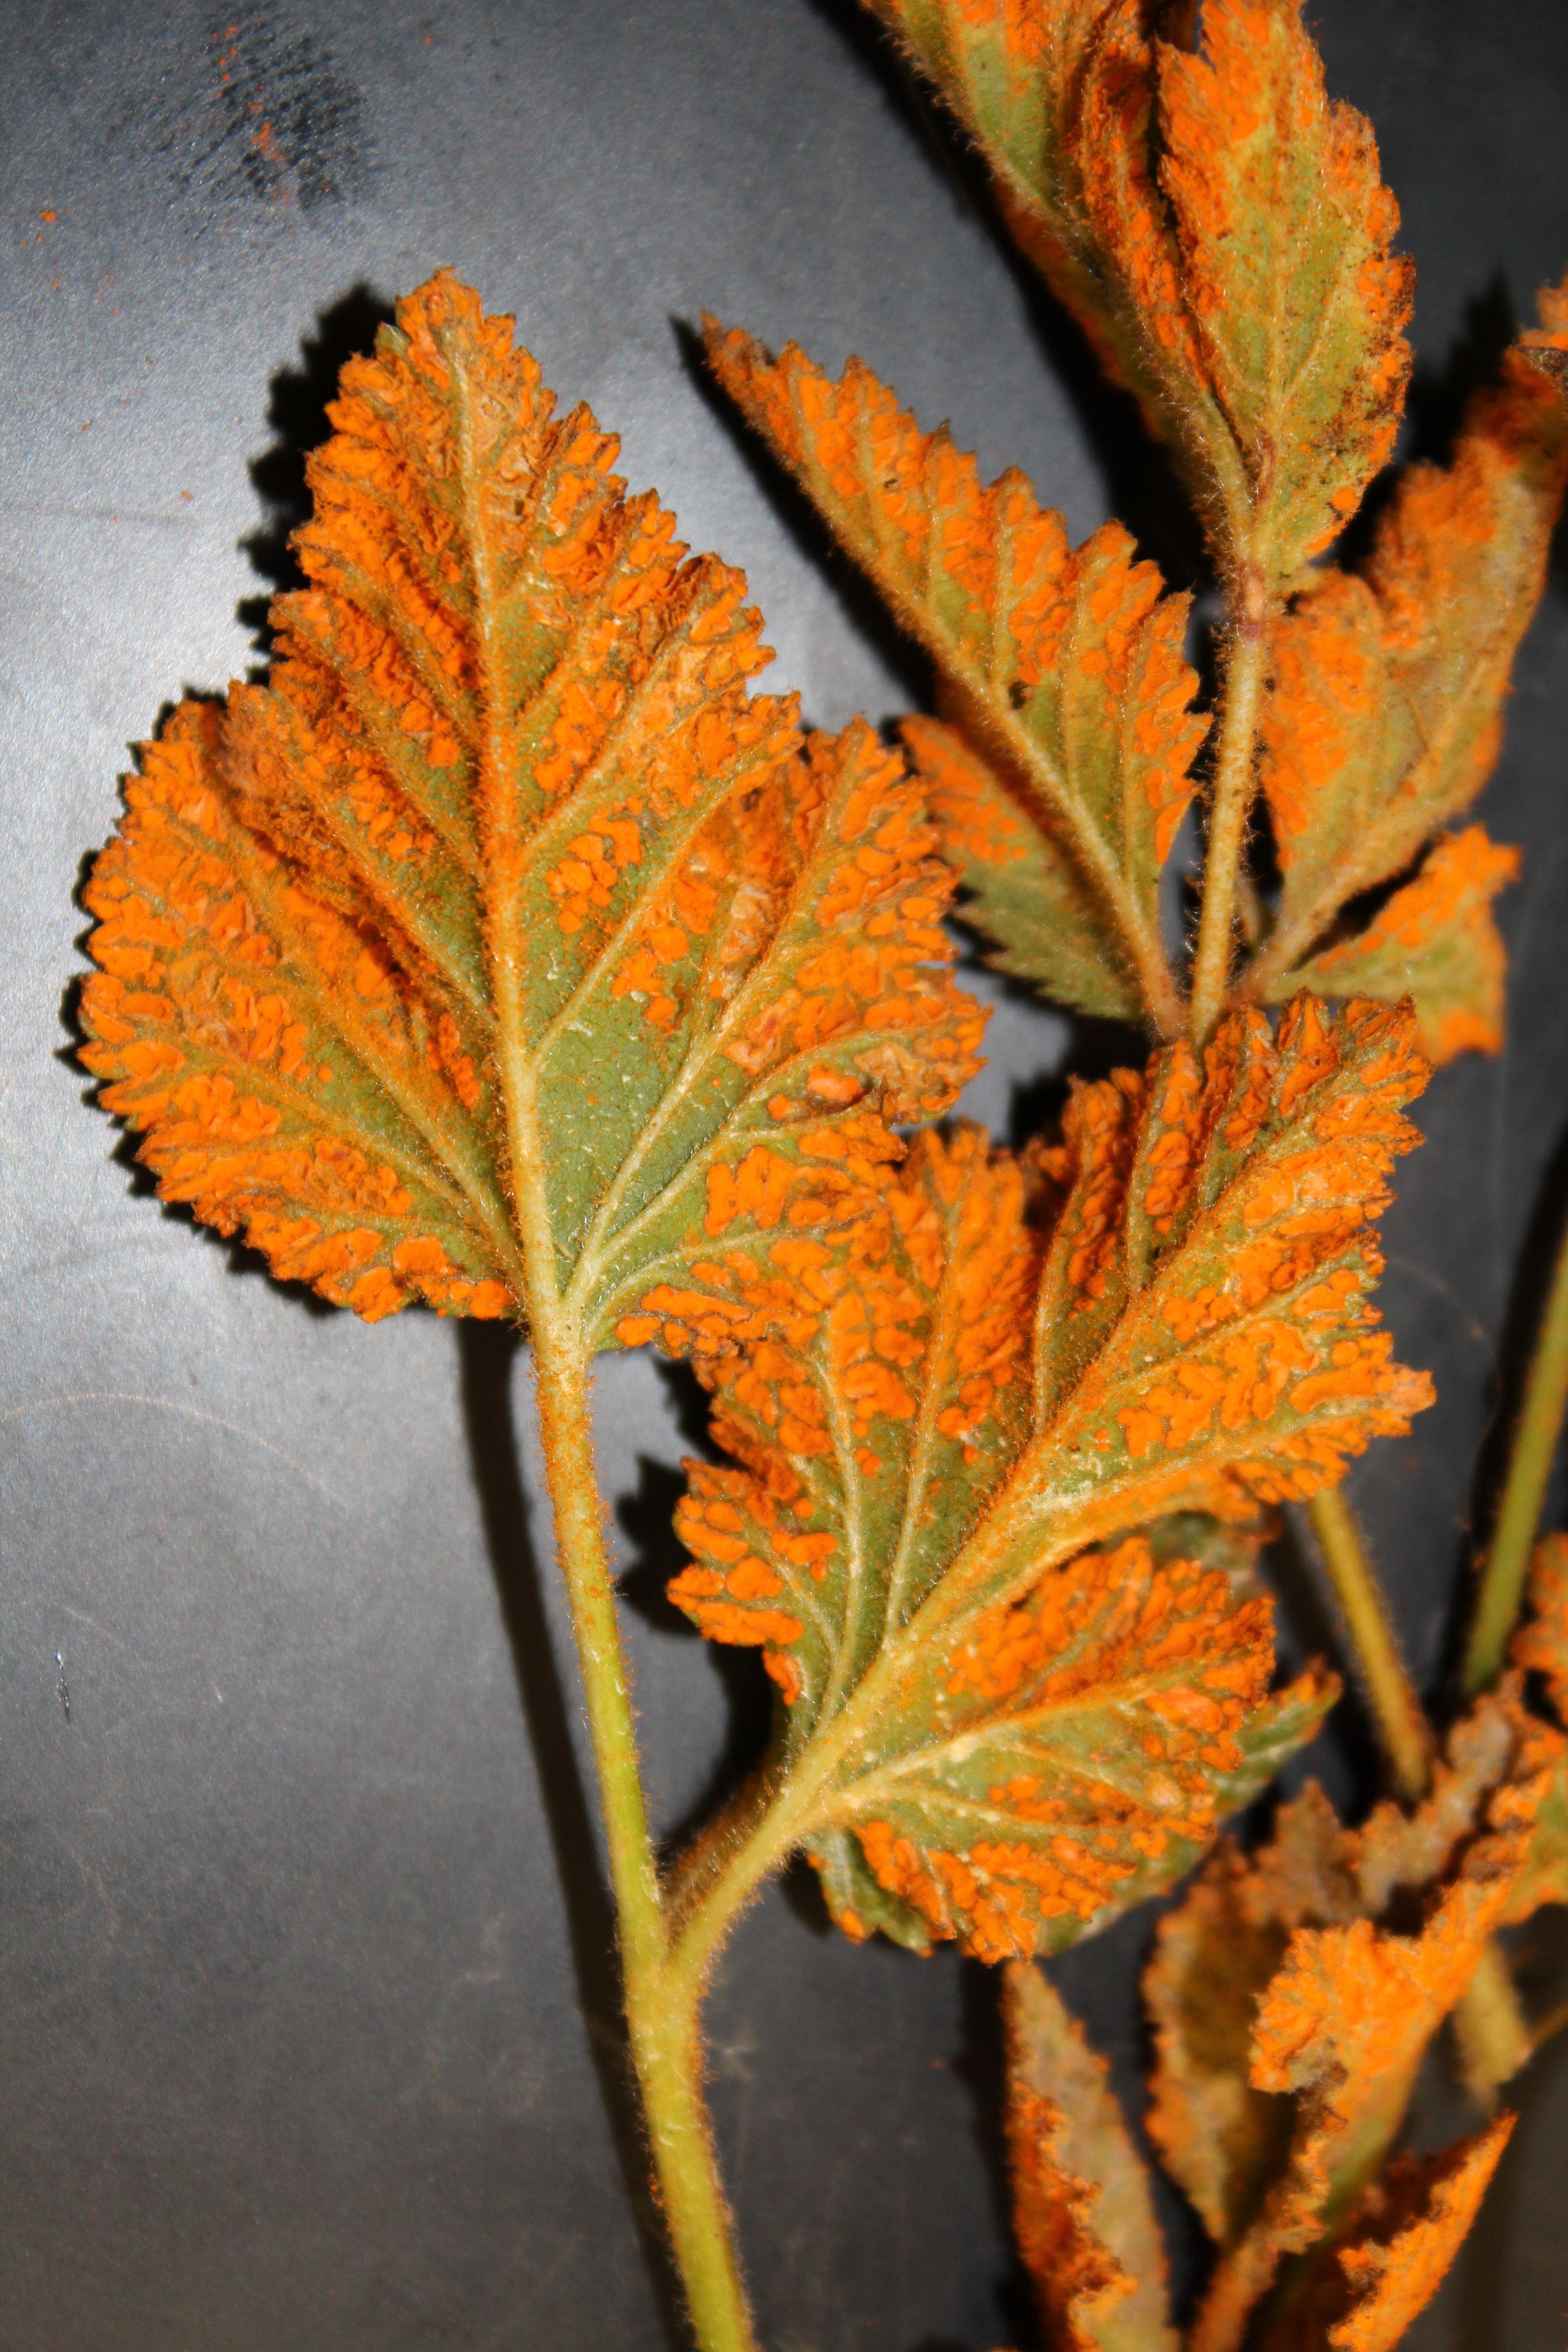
<point x="1524" y="1489"/>
<point x="1494" y="2040"/>
<point x="1397" y="1712"/>
<point x="1247" y="670"/>
<point x="1489" y="2025"/>
<point x="663" y="2031"/>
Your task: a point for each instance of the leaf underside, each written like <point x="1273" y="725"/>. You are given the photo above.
<point x="941" y="1419"/>
<point x="1061" y="787"/>
<point x="1385" y="714"/>
<point x="504" y="908"/>
<point x="1215" y="224"/>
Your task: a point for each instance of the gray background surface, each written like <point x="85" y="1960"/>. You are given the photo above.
<point x="301" y="2043"/>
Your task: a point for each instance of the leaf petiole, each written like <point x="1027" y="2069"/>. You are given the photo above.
<point x="660" y="2006"/>
<point x="1246" y="674"/>
<point x="1401" y="1720"/>
<point x="1531" y="1458"/>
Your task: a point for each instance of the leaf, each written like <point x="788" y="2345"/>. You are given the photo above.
<point x="1012" y="72"/>
<point x="1425" y="2216"/>
<point x="1359" y="2291"/>
<point x="1022" y="888"/>
<point x="1214" y="225"/>
<point x="1487" y="1752"/>
<point x="1436" y="942"/>
<point x="1064" y="666"/>
<point x="940" y="1411"/>
<point x="1541" y="1644"/>
<point x="1290" y="2014"/>
<point x="1280" y="229"/>
<point x="1221" y="2140"/>
<point x="1083" y="2213"/>
<point x="877" y="1404"/>
<point x="1244" y="218"/>
<point x="1341" y="2028"/>
<point x="1076" y="1754"/>
<point x="1385" y="719"/>
<point x="503" y="948"/>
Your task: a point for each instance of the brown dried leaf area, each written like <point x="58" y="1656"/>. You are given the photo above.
<point x="505" y="906"/>
<point x="1290" y="2017"/>
<point x="1293" y="1994"/>
<point x="939" y="1417"/>
<point x="1219" y="229"/>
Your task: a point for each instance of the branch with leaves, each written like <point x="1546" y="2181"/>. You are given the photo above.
<point x="1219" y="231"/>
<point x="505" y="953"/>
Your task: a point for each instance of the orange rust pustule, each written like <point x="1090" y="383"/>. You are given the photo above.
<point x="1169" y="1646"/>
<point x="180" y="1009"/>
<point x="824" y="1351"/>
<point x="332" y="894"/>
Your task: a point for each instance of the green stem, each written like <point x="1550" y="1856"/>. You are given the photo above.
<point x="1397" y="1712"/>
<point x="661" y="2016"/>
<point x="1246" y="671"/>
<point x="1534" y="1448"/>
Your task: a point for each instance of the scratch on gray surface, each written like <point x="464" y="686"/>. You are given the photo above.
<point x="56" y="513"/>
<point x="189" y="1413"/>
<point x="104" y="1632"/>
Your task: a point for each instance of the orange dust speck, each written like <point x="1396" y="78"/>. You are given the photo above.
<point x="46" y="215"/>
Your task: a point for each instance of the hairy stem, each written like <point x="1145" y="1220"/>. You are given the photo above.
<point x="1507" y="1562"/>
<point x="662" y="2024"/>
<point x="1399" y="1717"/>
<point x="665" y="2047"/>
<point x="1246" y="674"/>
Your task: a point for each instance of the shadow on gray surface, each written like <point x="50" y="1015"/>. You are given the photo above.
<point x="488" y="1354"/>
<point x="297" y="412"/>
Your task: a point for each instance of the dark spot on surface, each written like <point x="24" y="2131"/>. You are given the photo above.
<point x="270" y="119"/>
